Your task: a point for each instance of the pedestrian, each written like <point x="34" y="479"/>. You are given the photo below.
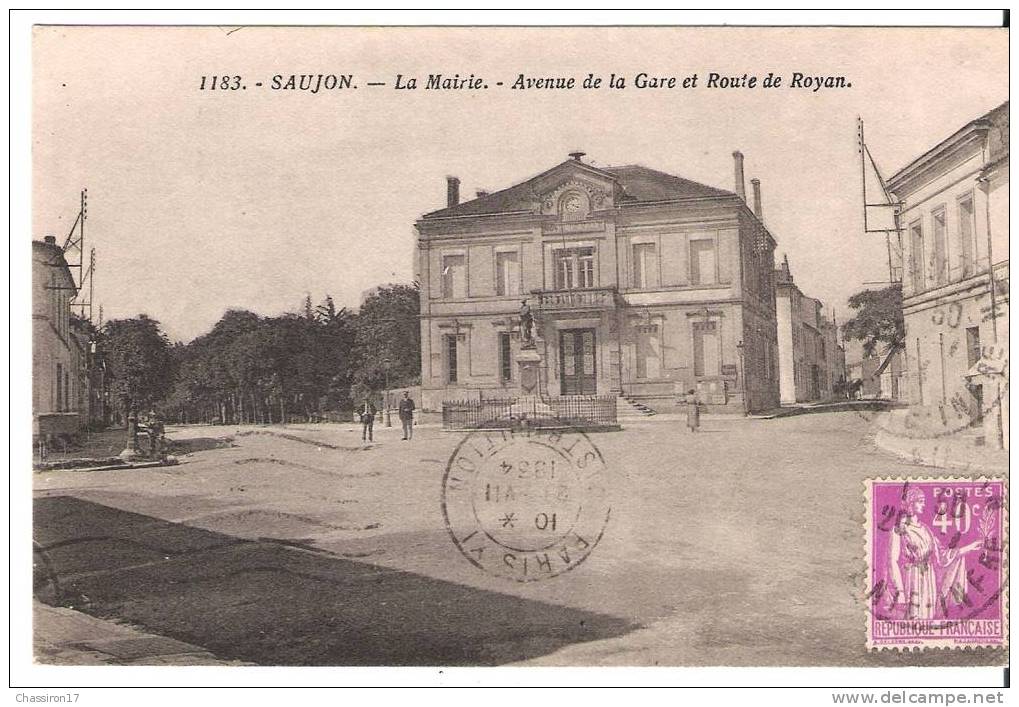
<point x="367" y="413"/>
<point x="693" y="411"/>
<point x="407" y="415"/>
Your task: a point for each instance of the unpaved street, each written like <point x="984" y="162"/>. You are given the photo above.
<point x="742" y="544"/>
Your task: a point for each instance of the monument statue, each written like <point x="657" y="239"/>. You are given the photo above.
<point x="526" y="323"/>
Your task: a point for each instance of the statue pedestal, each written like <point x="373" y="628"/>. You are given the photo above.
<point x="132" y="451"/>
<point x="529" y="363"/>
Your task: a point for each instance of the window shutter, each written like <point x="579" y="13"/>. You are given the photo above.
<point x="675" y="266"/>
<point x="727" y="255"/>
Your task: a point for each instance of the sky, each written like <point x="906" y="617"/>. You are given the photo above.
<point x="200" y="201"/>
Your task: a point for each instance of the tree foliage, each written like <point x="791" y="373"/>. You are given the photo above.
<point x="877" y="320"/>
<point x="138" y="353"/>
<point x="250" y="368"/>
<point x="388" y="340"/>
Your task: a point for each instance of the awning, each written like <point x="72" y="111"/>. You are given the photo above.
<point x="987" y="367"/>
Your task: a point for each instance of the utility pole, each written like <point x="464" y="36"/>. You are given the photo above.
<point x="867" y="160"/>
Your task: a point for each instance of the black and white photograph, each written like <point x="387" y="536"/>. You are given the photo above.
<point x="377" y="347"/>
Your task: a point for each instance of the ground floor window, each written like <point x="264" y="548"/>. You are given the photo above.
<point x="706" y="358"/>
<point x="505" y="358"/>
<point x="451" y="362"/>
<point x="648" y="351"/>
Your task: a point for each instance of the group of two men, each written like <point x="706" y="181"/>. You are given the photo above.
<point x="367" y="412"/>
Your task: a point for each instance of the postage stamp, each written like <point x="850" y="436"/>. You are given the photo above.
<point x="526" y="505"/>
<point x="937" y="562"/>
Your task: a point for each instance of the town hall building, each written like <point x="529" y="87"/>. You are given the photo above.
<point x="640" y="283"/>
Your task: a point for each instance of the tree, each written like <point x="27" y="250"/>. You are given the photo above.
<point x="389" y="337"/>
<point x="877" y="319"/>
<point x="138" y="354"/>
<point x="327" y="310"/>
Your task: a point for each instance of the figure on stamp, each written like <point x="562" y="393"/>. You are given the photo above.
<point x="526" y="322"/>
<point x="916" y="560"/>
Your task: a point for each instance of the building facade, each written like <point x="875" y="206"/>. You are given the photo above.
<point x="954" y="242"/>
<point x="59" y="375"/>
<point x="881" y="375"/>
<point x="811" y="362"/>
<point x="640" y="283"/>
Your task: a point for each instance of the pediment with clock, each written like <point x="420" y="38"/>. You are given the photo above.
<point x="573" y="191"/>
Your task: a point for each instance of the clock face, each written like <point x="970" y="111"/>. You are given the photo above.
<point x="573" y="206"/>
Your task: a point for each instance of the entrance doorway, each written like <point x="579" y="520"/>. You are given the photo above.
<point x="577" y="362"/>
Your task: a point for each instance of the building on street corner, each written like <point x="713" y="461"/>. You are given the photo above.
<point x="954" y="244"/>
<point x="640" y="283"/>
<point x="59" y="382"/>
<point x="811" y="361"/>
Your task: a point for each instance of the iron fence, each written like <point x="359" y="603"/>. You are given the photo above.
<point x="559" y="411"/>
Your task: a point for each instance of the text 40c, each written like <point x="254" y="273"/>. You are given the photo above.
<point x="221" y="83"/>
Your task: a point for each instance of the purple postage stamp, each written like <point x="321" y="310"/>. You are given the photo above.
<point x="937" y="563"/>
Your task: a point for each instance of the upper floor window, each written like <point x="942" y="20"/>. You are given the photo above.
<point x="574" y="268"/>
<point x="967" y="236"/>
<point x="703" y="264"/>
<point x="940" y="254"/>
<point x="507" y="273"/>
<point x="454" y="280"/>
<point x="645" y="266"/>
<point x="916" y="255"/>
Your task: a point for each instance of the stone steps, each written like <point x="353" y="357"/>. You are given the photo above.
<point x="629" y="408"/>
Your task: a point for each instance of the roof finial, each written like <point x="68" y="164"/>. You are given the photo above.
<point x="577" y="155"/>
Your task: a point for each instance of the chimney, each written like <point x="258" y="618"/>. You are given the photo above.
<point x="50" y="239"/>
<point x="482" y="193"/>
<point x="741" y="187"/>
<point x="577" y="155"/>
<point x="452" y="191"/>
<point x="756" y="184"/>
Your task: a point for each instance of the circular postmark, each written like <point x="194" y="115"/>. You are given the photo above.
<point x="526" y="505"/>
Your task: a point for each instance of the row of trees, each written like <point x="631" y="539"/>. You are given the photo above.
<point x="250" y="368"/>
<point x="321" y="359"/>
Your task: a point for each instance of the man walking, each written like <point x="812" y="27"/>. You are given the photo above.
<point x="367" y="413"/>
<point x="407" y="415"/>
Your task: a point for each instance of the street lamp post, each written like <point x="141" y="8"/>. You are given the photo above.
<point x="743" y="379"/>
<point x="389" y="414"/>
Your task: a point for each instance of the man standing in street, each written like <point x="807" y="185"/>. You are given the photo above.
<point x="407" y="415"/>
<point x="367" y="413"/>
